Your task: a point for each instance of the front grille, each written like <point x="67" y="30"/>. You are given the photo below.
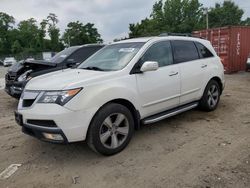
<point x="10" y="77"/>
<point x="42" y="123"/>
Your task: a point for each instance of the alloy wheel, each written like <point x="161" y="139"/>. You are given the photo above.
<point x="114" y="130"/>
<point x="213" y="96"/>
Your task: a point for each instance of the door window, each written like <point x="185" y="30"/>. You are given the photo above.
<point x="160" y="52"/>
<point x="204" y="52"/>
<point x="83" y="53"/>
<point x="184" y="51"/>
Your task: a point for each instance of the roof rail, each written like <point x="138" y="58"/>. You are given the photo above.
<point x="176" y="34"/>
<point x="179" y="34"/>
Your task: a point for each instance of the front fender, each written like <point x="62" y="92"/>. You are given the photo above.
<point x="99" y="94"/>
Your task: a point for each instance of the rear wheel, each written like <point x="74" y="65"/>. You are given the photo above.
<point x="211" y="96"/>
<point x="111" y="129"/>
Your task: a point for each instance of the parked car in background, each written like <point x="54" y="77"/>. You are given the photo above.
<point x="1" y="63"/>
<point x="19" y="74"/>
<point x="248" y="63"/>
<point x="126" y="83"/>
<point x="48" y="55"/>
<point x="30" y="59"/>
<point x="8" y="61"/>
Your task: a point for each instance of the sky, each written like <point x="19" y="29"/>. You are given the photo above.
<point x="111" y="17"/>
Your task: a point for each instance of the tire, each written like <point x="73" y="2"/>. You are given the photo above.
<point x="111" y="129"/>
<point x="211" y="96"/>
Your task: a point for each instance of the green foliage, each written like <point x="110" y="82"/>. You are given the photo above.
<point x="27" y="33"/>
<point x="78" y="34"/>
<point x="185" y="16"/>
<point x="16" y="47"/>
<point x="30" y="37"/>
<point x="54" y="32"/>
<point x="227" y="13"/>
<point x="246" y="22"/>
<point x="6" y="23"/>
<point x="180" y="16"/>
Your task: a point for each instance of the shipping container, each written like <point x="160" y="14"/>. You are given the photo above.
<point x="232" y="44"/>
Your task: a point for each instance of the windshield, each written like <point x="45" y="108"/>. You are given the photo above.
<point x="113" y="57"/>
<point x="59" y="57"/>
<point x="9" y="58"/>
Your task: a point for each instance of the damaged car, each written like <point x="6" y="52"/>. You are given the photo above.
<point x="20" y="73"/>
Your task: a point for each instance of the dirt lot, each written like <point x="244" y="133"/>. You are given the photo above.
<point x="194" y="149"/>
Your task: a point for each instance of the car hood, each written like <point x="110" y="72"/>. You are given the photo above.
<point x="33" y="64"/>
<point x="39" y="62"/>
<point x="15" y="67"/>
<point x="66" y="79"/>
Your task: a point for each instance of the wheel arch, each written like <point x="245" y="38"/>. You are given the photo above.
<point x="219" y="81"/>
<point x="129" y="105"/>
<point x="132" y="109"/>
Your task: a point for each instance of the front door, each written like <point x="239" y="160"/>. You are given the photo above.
<point x="159" y="90"/>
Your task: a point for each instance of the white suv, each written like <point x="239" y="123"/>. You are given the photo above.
<point x="125" y="84"/>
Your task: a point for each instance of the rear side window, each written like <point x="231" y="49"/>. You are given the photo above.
<point x="83" y="53"/>
<point x="184" y="51"/>
<point x="204" y="52"/>
<point x="160" y="52"/>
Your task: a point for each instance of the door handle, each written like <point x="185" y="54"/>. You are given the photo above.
<point x="172" y="73"/>
<point x="203" y="66"/>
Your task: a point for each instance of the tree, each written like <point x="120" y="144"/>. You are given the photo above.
<point x="54" y="32"/>
<point x="28" y="34"/>
<point x="78" y="34"/>
<point x="16" y="47"/>
<point x="246" y="22"/>
<point x="181" y="16"/>
<point x="41" y="35"/>
<point x="227" y="13"/>
<point x="6" y="23"/>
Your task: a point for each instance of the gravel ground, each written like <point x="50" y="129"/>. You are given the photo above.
<point x="194" y="149"/>
<point x="3" y="70"/>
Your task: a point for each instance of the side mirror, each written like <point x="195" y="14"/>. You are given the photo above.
<point x="149" y="66"/>
<point x="70" y="62"/>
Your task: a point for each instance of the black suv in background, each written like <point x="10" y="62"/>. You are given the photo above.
<point x="20" y="73"/>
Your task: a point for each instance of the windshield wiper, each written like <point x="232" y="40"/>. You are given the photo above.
<point x="93" y="68"/>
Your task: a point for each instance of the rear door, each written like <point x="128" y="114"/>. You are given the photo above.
<point x="191" y="69"/>
<point x="159" y="90"/>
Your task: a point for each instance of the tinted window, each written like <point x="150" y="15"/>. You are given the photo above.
<point x="204" y="52"/>
<point x="160" y="52"/>
<point x="184" y="51"/>
<point x="83" y="53"/>
<point x="61" y="56"/>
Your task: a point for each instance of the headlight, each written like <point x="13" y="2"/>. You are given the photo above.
<point x="58" y="97"/>
<point x="24" y="76"/>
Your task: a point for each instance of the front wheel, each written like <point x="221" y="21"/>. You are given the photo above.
<point x="211" y="96"/>
<point x="111" y="129"/>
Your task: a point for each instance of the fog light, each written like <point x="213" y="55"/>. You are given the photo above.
<point x="50" y="136"/>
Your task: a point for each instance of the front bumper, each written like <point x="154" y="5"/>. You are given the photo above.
<point x="42" y="133"/>
<point x="14" y="89"/>
<point x="72" y="125"/>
